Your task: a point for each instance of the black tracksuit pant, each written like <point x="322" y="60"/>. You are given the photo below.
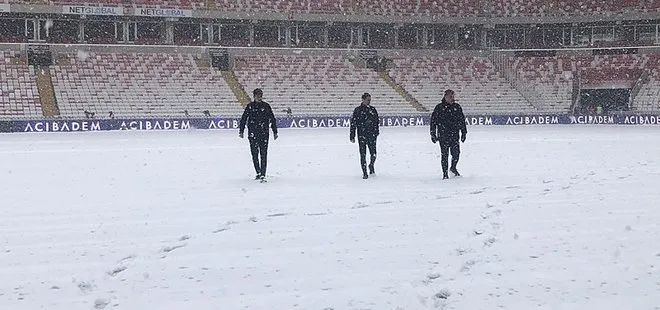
<point x="259" y="150"/>
<point x="445" y="148"/>
<point x="364" y="143"/>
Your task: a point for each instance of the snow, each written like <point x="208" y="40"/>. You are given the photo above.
<point x="544" y="217"/>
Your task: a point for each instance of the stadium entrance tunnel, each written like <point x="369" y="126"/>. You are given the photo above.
<point x="600" y="101"/>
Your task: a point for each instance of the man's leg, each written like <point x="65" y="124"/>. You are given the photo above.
<point x="263" y="148"/>
<point x="455" y="155"/>
<point x="444" y="158"/>
<point x="372" y="152"/>
<point x="254" y="149"/>
<point x="362" y="143"/>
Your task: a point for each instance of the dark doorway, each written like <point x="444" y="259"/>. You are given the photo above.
<point x="604" y="101"/>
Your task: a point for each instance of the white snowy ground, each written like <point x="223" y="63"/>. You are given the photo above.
<point x="560" y="217"/>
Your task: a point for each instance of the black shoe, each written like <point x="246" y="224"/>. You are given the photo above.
<point x="445" y="176"/>
<point x="371" y="169"/>
<point x="455" y="172"/>
<point x="365" y="176"/>
<point x="258" y="177"/>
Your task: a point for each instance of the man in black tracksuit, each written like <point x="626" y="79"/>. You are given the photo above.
<point x="447" y="121"/>
<point x="365" y="120"/>
<point x="258" y="116"/>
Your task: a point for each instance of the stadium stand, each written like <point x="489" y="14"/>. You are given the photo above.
<point x="19" y="96"/>
<point x="317" y="85"/>
<point x="457" y="8"/>
<point x="550" y="79"/>
<point x="324" y="6"/>
<point x="465" y="8"/>
<point x="479" y="87"/>
<point x="613" y="70"/>
<point x="167" y="83"/>
<point x="648" y="98"/>
<point x="509" y="8"/>
<point x="394" y="7"/>
<point x="170" y="4"/>
<point x="140" y="84"/>
<point x="522" y="7"/>
<point x="650" y="5"/>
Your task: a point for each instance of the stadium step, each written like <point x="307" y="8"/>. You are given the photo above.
<point x="641" y="82"/>
<point x="236" y="87"/>
<point x="46" y="92"/>
<point x="402" y="91"/>
<point x="505" y="67"/>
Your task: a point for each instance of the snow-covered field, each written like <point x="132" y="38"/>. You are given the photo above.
<point x="557" y="217"/>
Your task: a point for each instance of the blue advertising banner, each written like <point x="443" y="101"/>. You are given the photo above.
<point x="309" y="122"/>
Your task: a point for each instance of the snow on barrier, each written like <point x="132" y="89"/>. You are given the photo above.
<point x="308" y="122"/>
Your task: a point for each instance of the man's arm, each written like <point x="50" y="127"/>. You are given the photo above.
<point x="273" y="121"/>
<point x="241" y="124"/>
<point x="377" y="119"/>
<point x="461" y="124"/>
<point x="433" y="126"/>
<point x="461" y="121"/>
<point x="353" y="125"/>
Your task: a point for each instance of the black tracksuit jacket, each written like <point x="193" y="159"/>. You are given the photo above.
<point x="258" y="116"/>
<point x="447" y="120"/>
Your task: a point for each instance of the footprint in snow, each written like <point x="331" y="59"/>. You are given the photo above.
<point x="221" y="229"/>
<point x="116" y="271"/>
<point x="509" y="201"/>
<point x="443" y="294"/>
<point x="433" y="276"/>
<point x="85" y="287"/>
<point x="490" y="241"/>
<point x="101" y="303"/>
<point x="168" y="249"/>
<point x="277" y="214"/>
<point x="226" y="226"/>
<point x="128" y="258"/>
<point x="467" y="265"/>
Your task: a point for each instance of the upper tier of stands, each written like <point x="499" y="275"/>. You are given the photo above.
<point x="460" y="8"/>
<point x="566" y="7"/>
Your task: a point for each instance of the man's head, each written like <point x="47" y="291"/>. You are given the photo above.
<point x="258" y="94"/>
<point x="449" y="96"/>
<point x="366" y="99"/>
